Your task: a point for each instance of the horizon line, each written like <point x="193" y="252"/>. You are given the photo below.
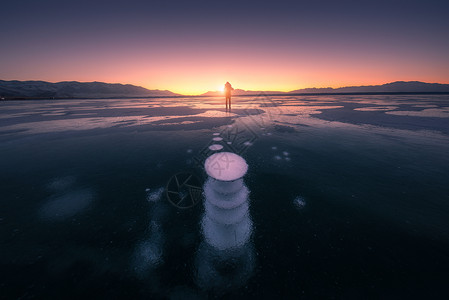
<point x="217" y="91"/>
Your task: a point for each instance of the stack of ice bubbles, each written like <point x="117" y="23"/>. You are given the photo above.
<point x="225" y="259"/>
<point x="226" y="223"/>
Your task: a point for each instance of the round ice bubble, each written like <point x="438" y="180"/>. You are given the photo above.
<point x="226" y="216"/>
<point x="215" y="147"/>
<point x="299" y="202"/>
<point x="225" y="201"/>
<point x="226" y="187"/>
<point x="226" y="166"/>
<point x="225" y="237"/>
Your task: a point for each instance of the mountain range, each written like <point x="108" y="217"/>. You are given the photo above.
<point x="72" y="89"/>
<point x="393" y="87"/>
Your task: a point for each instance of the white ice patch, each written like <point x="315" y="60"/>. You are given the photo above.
<point x="217" y="139"/>
<point x="286" y="153"/>
<point x="215" y="147"/>
<point x="225" y="166"/>
<point x="274" y="148"/>
<point x="431" y="112"/>
<point x="216" y="133"/>
<point x="377" y="108"/>
<point x="426" y="105"/>
<point x="72" y="124"/>
<point x="66" y="205"/>
<point x="299" y="202"/>
<point x="277" y="157"/>
<point x="61" y="183"/>
<point x="154" y="195"/>
<point x="215" y="114"/>
<point x="149" y="253"/>
<point x="177" y="123"/>
<point x="247" y="143"/>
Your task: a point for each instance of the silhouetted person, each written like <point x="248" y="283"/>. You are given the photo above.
<point x="227" y="89"/>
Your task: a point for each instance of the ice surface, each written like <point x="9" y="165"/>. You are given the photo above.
<point x="94" y="242"/>
<point x="217" y="139"/>
<point x="219" y="271"/>
<point x="226" y="166"/>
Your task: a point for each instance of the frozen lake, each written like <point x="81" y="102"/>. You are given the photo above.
<point x="344" y="197"/>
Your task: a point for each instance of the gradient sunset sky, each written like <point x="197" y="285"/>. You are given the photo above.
<point x="191" y="47"/>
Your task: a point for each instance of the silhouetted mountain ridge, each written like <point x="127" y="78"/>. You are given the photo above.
<point x="392" y="87"/>
<point x="74" y="89"/>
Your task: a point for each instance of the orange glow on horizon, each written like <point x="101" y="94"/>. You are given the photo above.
<point x="191" y="57"/>
<point x="191" y="71"/>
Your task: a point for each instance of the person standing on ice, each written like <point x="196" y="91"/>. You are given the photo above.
<point x="227" y="89"/>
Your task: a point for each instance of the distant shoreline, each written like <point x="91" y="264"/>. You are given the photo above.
<point x="209" y="96"/>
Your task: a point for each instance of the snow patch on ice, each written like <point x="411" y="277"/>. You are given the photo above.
<point x="66" y="205"/>
<point x="299" y="202"/>
<point x="61" y="183"/>
<point x="431" y="112"/>
<point x="154" y="195"/>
